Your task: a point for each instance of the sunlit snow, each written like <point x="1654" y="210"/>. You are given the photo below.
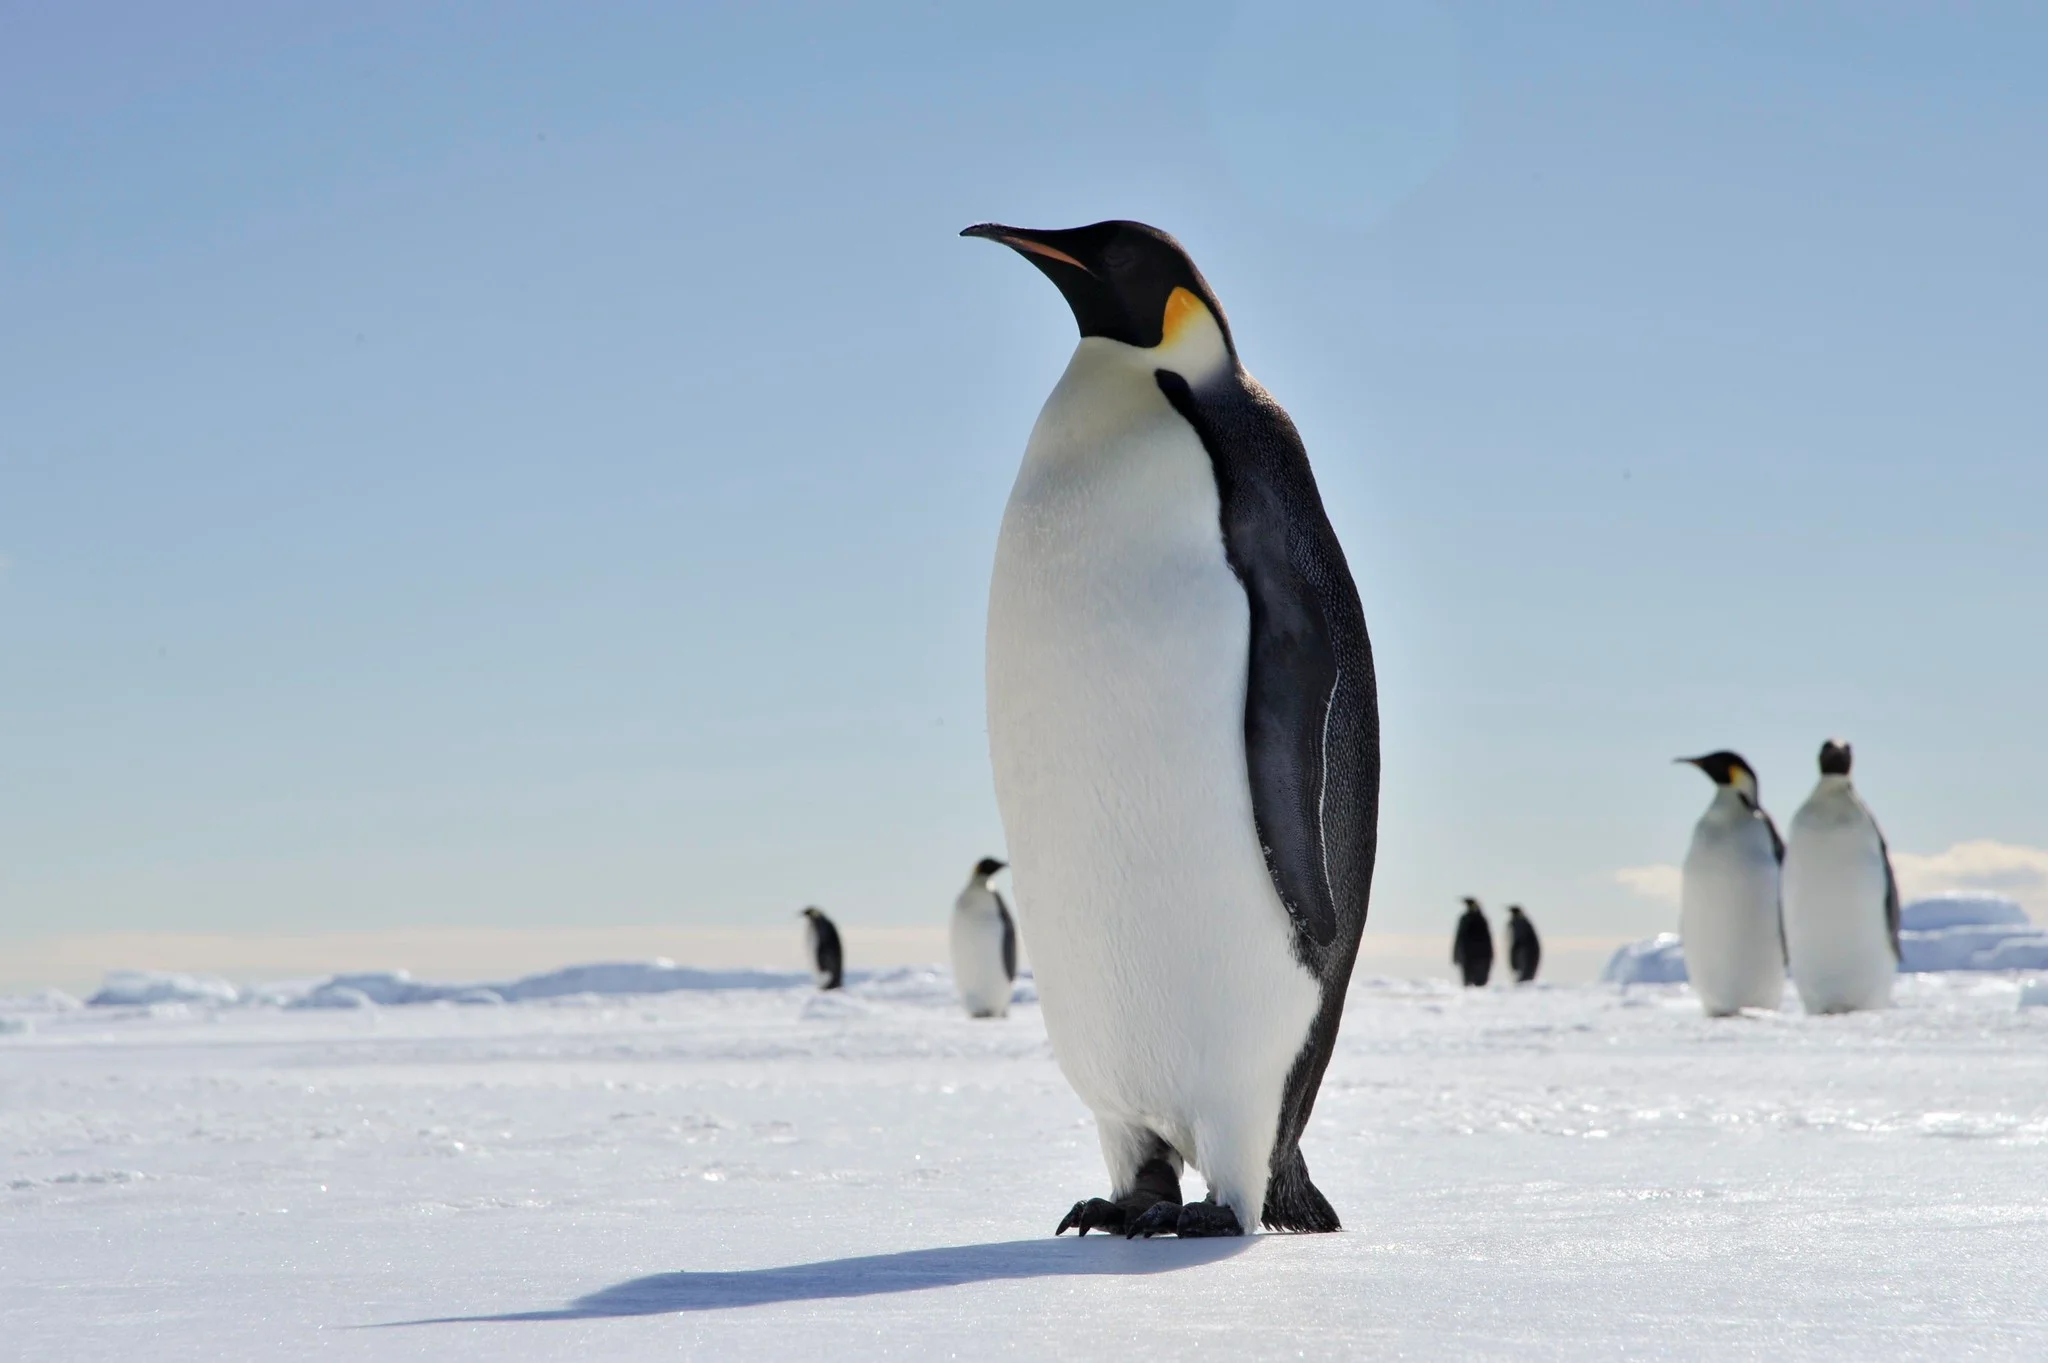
<point x="770" y="1172"/>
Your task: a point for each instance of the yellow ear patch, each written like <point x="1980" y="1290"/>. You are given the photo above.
<point x="1182" y="308"/>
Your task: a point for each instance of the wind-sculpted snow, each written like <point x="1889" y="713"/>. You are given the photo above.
<point x="1974" y="932"/>
<point x="140" y="988"/>
<point x="397" y="988"/>
<point x="774" y="1172"/>
<point x="1959" y="909"/>
<point x="1654" y="960"/>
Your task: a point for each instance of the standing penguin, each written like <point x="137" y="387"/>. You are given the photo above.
<point x="984" y="944"/>
<point x="823" y="940"/>
<point x="1472" y="948"/>
<point x="1841" y="899"/>
<point x="1184" y="728"/>
<point x="1728" y="914"/>
<point x="1525" y="952"/>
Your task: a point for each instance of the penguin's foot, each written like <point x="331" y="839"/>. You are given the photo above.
<point x="1095" y="1213"/>
<point x="1190" y="1221"/>
<point x="1156" y="1181"/>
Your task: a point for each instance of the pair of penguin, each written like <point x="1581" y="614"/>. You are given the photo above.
<point x="1823" y="903"/>
<point x="1472" y="946"/>
<point x="984" y="941"/>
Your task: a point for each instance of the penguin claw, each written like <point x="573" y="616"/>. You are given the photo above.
<point x="1190" y="1221"/>
<point x="1201" y="1219"/>
<point x="1161" y="1218"/>
<point x="1093" y="1213"/>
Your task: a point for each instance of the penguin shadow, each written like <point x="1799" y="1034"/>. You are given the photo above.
<point x="875" y="1275"/>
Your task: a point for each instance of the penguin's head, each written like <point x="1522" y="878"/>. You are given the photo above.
<point x="1834" y="758"/>
<point x="1471" y="904"/>
<point x="1727" y="769"/>
<point x="987" y="867"/>
<point x="1130" y="283"/>
<point x="813" y="913"/>
<point x="1514" y="910"/>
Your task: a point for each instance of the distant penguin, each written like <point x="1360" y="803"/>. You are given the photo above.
<point x="823" y="940"/>
<point x="984" y="944"/>
<point x="1184" y="728"/>
<point x="1525" y="952"/>
<point x="1841" y="900"/>
<point x="1472" y="948"/>
<point x="1728" y="913"/>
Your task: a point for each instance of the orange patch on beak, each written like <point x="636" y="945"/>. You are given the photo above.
<point x="1182" y="308"/>
<point x="1039" y="249"/>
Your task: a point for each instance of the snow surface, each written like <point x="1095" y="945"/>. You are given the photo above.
<point x="1947" y="932"/>
<point x="721" y="1173"/>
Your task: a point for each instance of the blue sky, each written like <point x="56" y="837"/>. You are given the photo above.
<point x="522" y="465"/>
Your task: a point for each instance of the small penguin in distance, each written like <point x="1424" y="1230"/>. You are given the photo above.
<point x="984" y="944"/>
<point x="1728" y="915"/>
<point x="827" y="960"/>
<point x="1525" y="951"/>
<point x="1184" y="730"/>
<point x="1841" y="899"/>
<point x="1472" y="948"/>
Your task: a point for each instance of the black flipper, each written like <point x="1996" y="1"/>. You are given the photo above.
<point x="1310" y="692"/>
<point x="1009" y="938"/>
<point x="1891" y="894"/>
<point x="1778" y="850"/>
<point x="1311" y="723"/>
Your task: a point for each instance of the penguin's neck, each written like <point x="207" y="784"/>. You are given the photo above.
<point x="1192" y="346"/>
<point x="1732" y="804"/>
<point x="1833" y="790"/>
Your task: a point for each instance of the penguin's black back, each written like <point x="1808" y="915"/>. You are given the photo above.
<point x="1473" y="951"/>
<point x="1009" y="938"/>
<point x="1311" y="724"/>
<point x="831" y="961"/>
<point x="1525" y="951"/>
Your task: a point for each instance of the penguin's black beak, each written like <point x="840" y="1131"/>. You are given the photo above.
<point x="1699" y="762"/>
<point x="1039" y="246"/>
<point x="1000" y="866"/>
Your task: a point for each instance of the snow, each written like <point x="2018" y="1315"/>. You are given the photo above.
<point x="1961" y="908"/>
<point x="140" y="988"/>
<point x="1947" y="932"/>
<point x="770" y="1172"/>
<point x="1654" y="960"/>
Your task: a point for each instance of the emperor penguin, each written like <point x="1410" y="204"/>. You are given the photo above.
<point x="822" y="940"/>
<point x="1841" y="899"/>
<point x="1525" y="950"/>
<point x="1728" y="916"/>
<point x="984" y="944"/>
<point x="1472" y="947"/>
<point x="1184" y="729"/>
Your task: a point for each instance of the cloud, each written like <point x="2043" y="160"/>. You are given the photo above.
<point x="1997" y="867"/>
<point x="1659" y="882"/>
<point x="2001" y="867"/>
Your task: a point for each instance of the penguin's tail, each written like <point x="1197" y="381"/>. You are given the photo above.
<point x="1294" y="1203"/>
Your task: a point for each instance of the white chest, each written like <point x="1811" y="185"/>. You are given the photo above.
<point x="977" y="947"/>
<point x="1834" y="903"/>
<point x="1117" y="649"/>
<point x="1728" y="916"/>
